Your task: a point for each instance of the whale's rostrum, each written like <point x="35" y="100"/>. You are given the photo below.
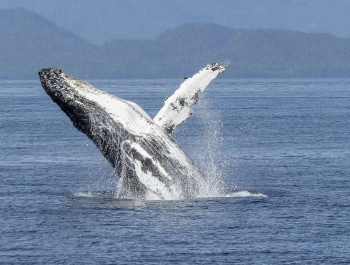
<point x="150" y="164"/>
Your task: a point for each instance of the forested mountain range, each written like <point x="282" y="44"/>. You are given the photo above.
<point x="29" y="42"/>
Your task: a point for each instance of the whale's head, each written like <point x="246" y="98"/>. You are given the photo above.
<point x="106" y="119"/>
<point x="72" y="96"/>
<point x="89" y="107"/>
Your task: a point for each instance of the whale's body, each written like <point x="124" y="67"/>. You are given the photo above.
<point x="145" y="156"/>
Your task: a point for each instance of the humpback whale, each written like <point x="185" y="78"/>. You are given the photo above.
<point x="148" y="161"/>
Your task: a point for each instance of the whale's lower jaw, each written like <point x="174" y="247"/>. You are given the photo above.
<point x="149" y="162"/>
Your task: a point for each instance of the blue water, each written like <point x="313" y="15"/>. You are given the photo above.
<point x="286" y="139"/>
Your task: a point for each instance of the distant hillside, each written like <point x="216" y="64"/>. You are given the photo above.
<point x="101" y="21"/>
<point x="250" y="53"/>
<point x="30" y="42"/>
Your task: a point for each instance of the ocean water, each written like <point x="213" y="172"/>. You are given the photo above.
<point x="280" y="148"/>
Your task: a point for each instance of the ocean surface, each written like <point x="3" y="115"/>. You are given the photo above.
<point x="280" y="148"/>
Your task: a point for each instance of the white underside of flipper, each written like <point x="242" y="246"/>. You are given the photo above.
<point x="177" y="108"/>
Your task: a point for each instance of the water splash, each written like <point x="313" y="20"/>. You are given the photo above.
<point x="208" y="153"/>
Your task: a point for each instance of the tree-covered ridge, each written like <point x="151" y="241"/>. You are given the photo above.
<point x="30" y="42"/>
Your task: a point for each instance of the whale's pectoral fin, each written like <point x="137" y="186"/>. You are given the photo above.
<point x="177" y="108"/>
<point x="145" y="172"/>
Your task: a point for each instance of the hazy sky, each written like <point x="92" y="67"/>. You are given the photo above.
<point x="100" y="21"/>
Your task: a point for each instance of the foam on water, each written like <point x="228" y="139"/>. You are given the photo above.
<point x="245" y="194"/>
<point x="113" y="195"/>
<point x="84" y="194"/>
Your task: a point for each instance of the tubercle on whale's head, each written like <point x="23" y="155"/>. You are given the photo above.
<point x="56" y="85"/>
<point x="52" y="82"/>
<point x="49" y="71"/>
<point x="47" y="75"/>
<point x="62" y="88"/>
